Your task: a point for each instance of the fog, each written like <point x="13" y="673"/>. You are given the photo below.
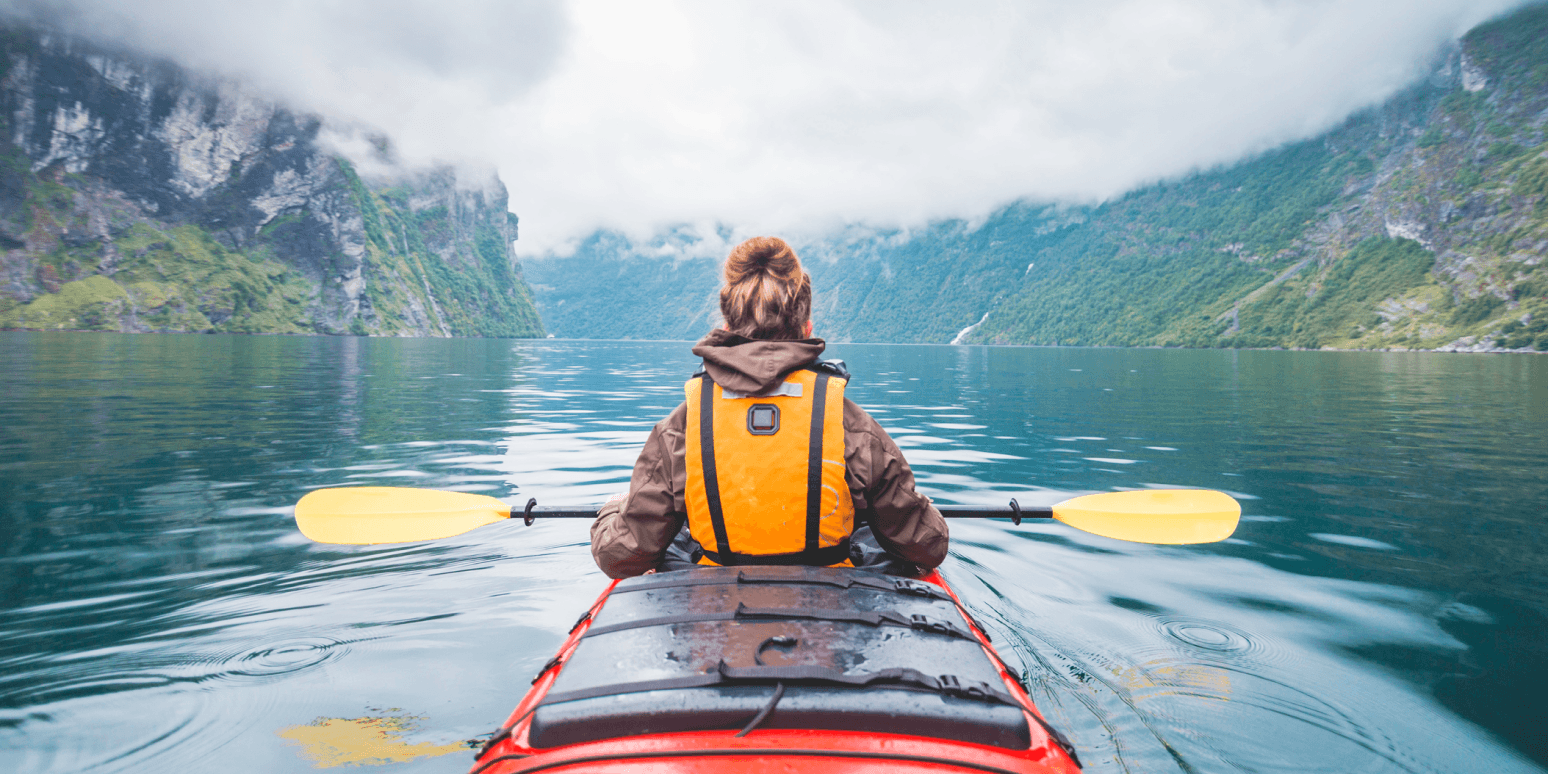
<point x="802" y="116"/>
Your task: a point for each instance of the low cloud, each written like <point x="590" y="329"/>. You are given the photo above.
<point x="803" y="116"/>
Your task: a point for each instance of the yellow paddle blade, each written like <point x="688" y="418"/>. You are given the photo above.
<point x="1154" y="515"/>
<point x="388" y="514"/>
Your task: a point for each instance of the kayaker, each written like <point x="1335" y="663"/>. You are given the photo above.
<point x="754" y="467"/>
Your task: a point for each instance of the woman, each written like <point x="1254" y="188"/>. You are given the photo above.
<point x="766" y="462"/>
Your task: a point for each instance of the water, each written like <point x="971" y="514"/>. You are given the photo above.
<point x="1381" y="608"/>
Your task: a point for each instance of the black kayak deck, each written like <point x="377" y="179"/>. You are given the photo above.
<point x="844" y="650"/>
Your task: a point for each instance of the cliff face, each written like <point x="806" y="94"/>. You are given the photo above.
<point x="135" y="196"/>
<point x="1419" y="224"/>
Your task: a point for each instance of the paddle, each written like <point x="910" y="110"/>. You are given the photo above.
<point x="379" y="514"/>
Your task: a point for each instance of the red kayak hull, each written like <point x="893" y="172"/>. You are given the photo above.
<point x="771" y="750"/>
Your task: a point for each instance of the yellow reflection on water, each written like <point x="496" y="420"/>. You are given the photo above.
<point x="371" y="741"/>
<point x="1169" y="678"/>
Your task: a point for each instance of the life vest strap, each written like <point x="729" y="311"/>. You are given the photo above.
<point x="818" y="557"/>
<point x="707" y="453"/>
<point x="814" y="468"/>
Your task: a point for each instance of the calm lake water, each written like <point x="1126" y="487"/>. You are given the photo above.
<point x="1383" y="607"/>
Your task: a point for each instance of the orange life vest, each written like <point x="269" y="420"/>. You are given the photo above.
<point x="766" y="472"/>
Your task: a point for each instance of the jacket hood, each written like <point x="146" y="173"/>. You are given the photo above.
<point x="752" y="365"/>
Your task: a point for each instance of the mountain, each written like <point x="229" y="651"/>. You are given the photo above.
<point x="1420" y="223"/>
<point x="136" y="196"/>
<point x="915" y="286"/>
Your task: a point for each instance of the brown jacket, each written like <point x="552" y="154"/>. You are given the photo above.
<point x="631" y="536"/>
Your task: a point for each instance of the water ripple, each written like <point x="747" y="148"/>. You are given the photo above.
<point x="284" y="658"/>
<point x="1210" y="636"/>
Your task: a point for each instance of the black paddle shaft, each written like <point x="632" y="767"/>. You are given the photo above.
<point x="1013" y="511"/>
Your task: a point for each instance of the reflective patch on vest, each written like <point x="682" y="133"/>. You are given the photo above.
<point x="784" y="390"/>
<point x="763" y="419"/>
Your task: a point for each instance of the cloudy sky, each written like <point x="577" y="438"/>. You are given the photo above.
<point x="802" y="115"/>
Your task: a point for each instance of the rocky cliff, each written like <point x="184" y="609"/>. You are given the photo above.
<point x="1421" y="223"/>
<point x="136" y="196"/>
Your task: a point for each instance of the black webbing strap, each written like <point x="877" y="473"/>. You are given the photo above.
<point x="814" y="465"/>
<point x="743" y="613"/>
<point x="870" y="618"/>
<point x="949" y="685"/>
<point x="846" y="580"/>
<point x="618" y="689"/>
<point x="724" y="674"/>
<point x="820" y="557"/>
<point x="711" y="483"/>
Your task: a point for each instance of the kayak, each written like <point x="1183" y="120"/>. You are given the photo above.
<point x="776" y="668"/>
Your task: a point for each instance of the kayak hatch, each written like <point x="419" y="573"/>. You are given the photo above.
<point x="764" y="668"/>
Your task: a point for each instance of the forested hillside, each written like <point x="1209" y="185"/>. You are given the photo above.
<point x="909" y="287"/>
<point x="1421" y="223"/>
<point x="135" y="196"/>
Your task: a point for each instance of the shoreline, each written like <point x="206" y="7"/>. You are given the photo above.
<point x="1446" y="350"/>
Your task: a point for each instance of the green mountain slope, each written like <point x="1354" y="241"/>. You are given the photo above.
<point x="607" y="290"/>
<point x="1420" y="224"/>
<point x="1416" y="224"/>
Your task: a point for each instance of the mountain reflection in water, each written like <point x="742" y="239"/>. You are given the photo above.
<point x="1381" y="608"/>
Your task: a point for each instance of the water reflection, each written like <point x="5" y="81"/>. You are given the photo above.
<point x="1381" y="608"/>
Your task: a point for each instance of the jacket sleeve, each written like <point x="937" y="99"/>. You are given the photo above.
<point x="904" y="521"/>
<point x="631" y="536"/>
